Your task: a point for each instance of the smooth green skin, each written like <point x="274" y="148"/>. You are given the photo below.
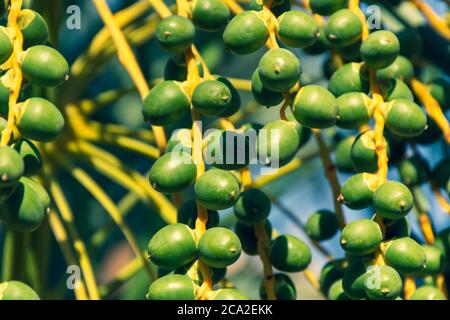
<point x="406" y="119"/>
<point x="356" y="193"/>
<point x="279" y="70"/>
<point x="247" y="236"/>
<point x="172" y="287"/>
<point x="211" y="98"/>
<point x="315" y="107"/>
<point x="361" y="237"/>
<point x="383" y="283"/>
<point x="380" y="49"/>
<point x="354" y="279"/>
<point x="326" y="7"/>
<point x="289" y="254"/>
<point x="11" y="167"/>
<point x="322" y="225"/>
<point x="414" y="170"/>
<point x="396" y="228"/>
<point x="33" y="27"/>
<point x="278" y="7"/>
<point x="428" y="293"/>
<point x="402" y="68"/>
<point x="395" y="89"/>
<point x="24" y="210"/>
<point x="6" y="45"/>
<point x="364" y="157"/>
<point x="342" y="158"/>
<point x="165" y="103"/>
<point x="228" y="150"/>
<point x="173" y="172"/>
<point x="336" y="291"/>
<point x="331" y="272"/>
<point x="263" y="95"/>
<point x="353" y="110"/>
<point x="245" y="33"/>
<point x="229" y="294"/>
<point x="252" y="207"/>
<point x="44" y="66"/>
<point x="441" y="172"/>
<point x="343" y="28"/>
<point x="235" y="97"/>
<point x="41" y="193"/>
<point x="180" y="140"/>
<point x="434" y="260"/>
<point x="284" y="288"/>
<point x="219" y="247"/>
<point x="392" y="200"/>
<point x="440" y="90"/>
<point x="30" y="155"/>
<point x="187" y="214"/>
<point x="284" y="137"/>
<point x="210" y="15"/>
<point x="320" y="45"/>
<point x="175" y="71"/>
<point x="406" y="256"/>
<point x="297" y="29"/>
<point x="351" y="77"/>
<point x="173" y="246"/>
<point x="40" y="120"/>
<point x="175" y="34"/>
<point x="16" y="290"/>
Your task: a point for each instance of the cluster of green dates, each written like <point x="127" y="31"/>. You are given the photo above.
<point x="23" y="201"/>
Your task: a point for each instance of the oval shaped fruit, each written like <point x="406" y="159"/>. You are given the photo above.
<point x="173" y="172"/>
<point x="217" y="189"/>
<point x="235" y="103"/>
<point x="246" y="33"/>
<point x="363" y="154"/>
<point x="39" y="119"/>
<point x="354" y="110"/>
<point x="263" y="95"/>
<point x="296" y="29"/>
<point x="175" y="34"/>
<point x="33" y="27"/>
<point x="16" y="290"/>
<point x="219" y="247"/>
<point x="278" y="143"/>
<point x="354" y="279"/>
<point x="392" y="200"/>
<point x="44" y="66"/>
<point x="380" y="49"/>
<point x="247" y="236"/>
<point x="210" y="15"/>
<point x="383" y="283"/>
<point x="187" y="214"/>
<point x="227" y="294"/>
<point x="336" y="291"/>
<point x="343" y="28"/>
<point x="405" y="255"/>
<point x="25" y="209"/>
<point x="331" y="272"/>
<point x="6" y="45"/>
<point x="342" y="157"/>
<point x="326" y="7"/>
<point x="357" y="192"/>
<point x="402" y="68"/>
<point x="428" y="293"/>
<point x="11" y="167"/>
<point x="361" y="237"/>
<point x="405" y="118"/>
<point x="279" y="70"/>
<point x="351" y="77"/>
<point x="252" y="207"/>
<point x="414" y="170"/>
<point x="284" y="288"/>
<point x="172" y="287"/>
<point x="211" y="97"/>
<point x="395" y="89"/>
<point x="30" y="155"/>
<point x="315" y="107"/>
<point x="166" y="103"/>
<point x="434" y="260"/>
<point x="172" y="246"/>
<point x="440" y="90"/>
<point x="322" y="225"/>
<point x="320" y="45"/>
<point x="289" y="254"/>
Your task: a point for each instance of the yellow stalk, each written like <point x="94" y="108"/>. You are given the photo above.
<point x="234" y="6"/>
<point x="312" y="279"/>
<point x="409" y="287"/>
<point x="435" y="20"/>
<point x="241" y="84"/>
<point x="122" y="276"/>
<point x="114" y="129"/>
<point x="161" y="8"/>
<point x="263" y="252"/>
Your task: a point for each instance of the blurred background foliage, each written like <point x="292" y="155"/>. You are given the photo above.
<point x="300" y="193"/>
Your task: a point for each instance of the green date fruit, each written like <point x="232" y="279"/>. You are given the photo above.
<point x="289" y="254"/>
<point x="175" y="34"/>
<point x="380" y="49"/>
<point x="343" y="28"/>
<point x="279" y="70"/>
<point x="284" y="288"/>
<point x="252" y="207"/>
<point x="172" y="287"/>
<point x="11" y="167"/>
<point x="16" y="290"/>
<point x="296" y="29"/>
<point x="392" y="200"/>
<point x="405" y="255"/>
<point x="219" y="247"/>
<point x="361" y="237"/>
<point x="322" y="225"/>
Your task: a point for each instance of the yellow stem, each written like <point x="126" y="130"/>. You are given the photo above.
<point x="122" y="276"/>
<point x="234" y="6"/>
<point x="287" y="101"/>
<point x="438" y="23"/>
<point x="353" y="5"/>
<point x="263" y="252"/>
<point x="312" y="279"/>
<point x="161" y="8"/>
<point x="409" y="287"/>
<point x="440" y="197"/>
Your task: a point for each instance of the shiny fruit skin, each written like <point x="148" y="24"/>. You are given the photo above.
<point x="343" y="28"/>
<point x="252" y="207"/>
<point x="322" y="225"/>
<point x="361" y="237"/>
<point x="405" y="255"/>
<point x="11" y="167"/>
<point x="289" y="254"/>
<point x="175" y="34"/>
<point x="405" y="118"/>
<point x="219" y="247"/>
<point x="428" y="293"/>
<point x="354" y="110"/>
<point x="357" y="192"/>
<point x="380" y="49"/>
<point x="211" y="98"/>
<point x="31" y="156"/>
<point x="16" y="290"/>
<point x="383" y="283"/>
<point x="351" y="77"/>
<point x="210" y="15"/>
<point x="33" y="27"/>
<point x="296" y="29"/>
<point x="263" y="95"/>
<point x="392" y="200"/>
<point x="172" y="287"/>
